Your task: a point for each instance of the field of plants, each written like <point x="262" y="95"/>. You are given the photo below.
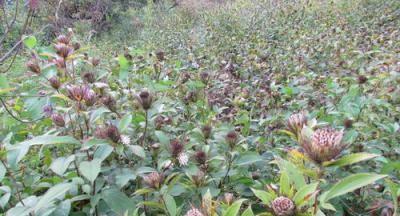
<point x="200" y="108"/>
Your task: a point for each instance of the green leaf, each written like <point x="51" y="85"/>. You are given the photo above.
<point x="55" y="192"/>
<point x="248" y="158"/>
<point x="60" y="165"/>
<point x="118" y="201"/>
<point x="90" y="169"/>
<point x="284" y="184"/>
<point x="4" y="86"/>
<point x="3" y="171"/>
<point x="162" y="137"/>
<point x="293" y="173"/>
<point x="125" y="122"/>
<point x="30" y="41"/>
<point x="350" y="159"/>
<point x="394" y="188"/>
<point x="170" y="204"/>
<point x="248" y="212"/>
<point x="349" y="184"/>
<point x="233" y="210"/>
<point x="304" y="194"/>
<point x="123" y="67"/>
<point x="47" y="140"/>
<point x="264" y="196"/>
<point x="103" y="151"/>
<point x="138" y="150"/>
<point x="5" y="194"/>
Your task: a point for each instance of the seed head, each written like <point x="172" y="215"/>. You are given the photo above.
<point x="160" y="55"/>
<point x="194" y="212"/>
<point x="283" y="206"/>
<point x="95" y="62"/>
<point x="323" y="145"/>
<point x="348" y="123"/>
<point x="58" y="119"/>
<point x="108" y="132"/>
<point x="183" y="159"/>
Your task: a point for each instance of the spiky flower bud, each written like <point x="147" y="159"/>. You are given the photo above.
<point x="95" y="62"/>
<point x="323" y="145"/>
<point x="58" y="119"/>
<point x="228" y="198"/>
<point x="283" y="206"/>
<point x="194" y="212"/>
<point x="145" y="99"/>
<point x="154" y="180"/>
<point x="200" y="157"/>
<point x="348" y="123"/>
<point x="33" y="66"/>
<point x="76" y="46"/>
<point x="232" y="138"/>
<point x="176" y="147"/>
<point x="206" y="129"/>
<point x="89" y="77"/>
<point x="296" y="122"/>
<point x="205" y="77"/>
<point x="190" y="97"/>
<point x="55" y="82"/>
<point x="63" y="50"/>
<point x="48" y="110"/>
<point x="63" y="39"/>
<point x="109" y="102"/>
<point x="109" y="132"/>
<point x="90" y="98"/>
<point x="362" y="79"/>
<point x="60" y="62"/>
<point x="160" y="55"/>
<point x="387" y="212"/>
<point x="77" y="93"/>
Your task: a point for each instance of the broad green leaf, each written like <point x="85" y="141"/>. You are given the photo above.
<point x="5" y="194"/>
<point x="284" y="184"/>
<point x="123" y="67"/>
<point x="162" y="137"/>
<point x="394" y="189"/>
<point x="349" y="184"/>
<point x="103" y="151"/>
<point x="60" y="165"/>
<point x="118" y="201"/>
<point x="350" y="159"/>
<point x="170" y="204"/>
<point x="125" y="122"/>
<point x="90" y="169"/>
<point x="293" y="173"/>
<point x="138" y="150"/>
<point x="55" y="192"/>
<point x="30" y="41"/>
<point x="47" y="140"/>
<point x="304" y="194"/>
<point x="4" y="85"/>
<point x="248" y="212"/>
<point x="233" y="210"/>
<point x="264" y="196"/>
<point x="248" y="158"/>
<point x="3" y="171"/>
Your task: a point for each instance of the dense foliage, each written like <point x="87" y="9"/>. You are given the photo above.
<point x="251" y="107"/>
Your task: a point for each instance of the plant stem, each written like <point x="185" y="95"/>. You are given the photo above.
<point x="145" y="128"/>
